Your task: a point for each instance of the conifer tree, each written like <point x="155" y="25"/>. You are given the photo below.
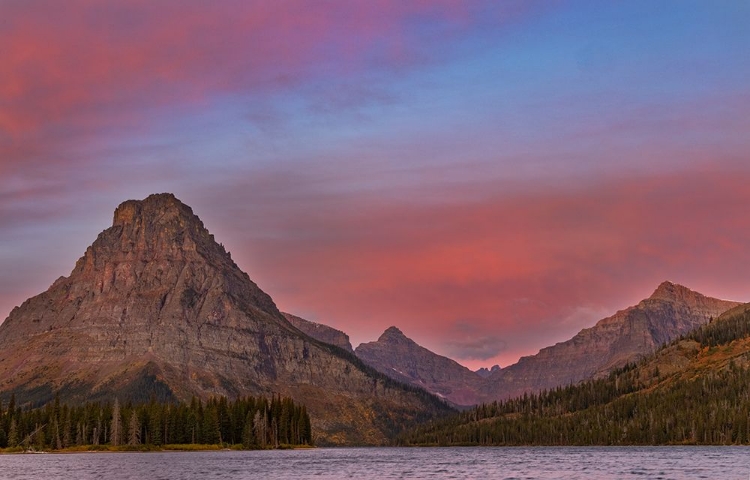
<point x="154" y="436"/>
<point x="248" y="434"/>
<point x="259" y="422"/>
<point x="13" y="433"/>
<point x="134" y="429"/>
<point x="115" y="430"/>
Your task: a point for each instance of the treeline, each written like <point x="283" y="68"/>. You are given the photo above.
<point x="252" y="422"/>
<point x="722" y="331"/>
<point x="633" y="406"/>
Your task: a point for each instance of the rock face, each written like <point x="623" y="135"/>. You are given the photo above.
<point x="401" y="358"/>
<point x="628" y="335"/>
<point x="157" y="307"/>
<point x="321" y="332"/>
<point x="485" y="372"/>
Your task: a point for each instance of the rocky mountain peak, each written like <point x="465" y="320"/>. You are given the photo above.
<point x="485" y="372"/>
<point x="677" y="294"/>
<point x="672" y="291"/>
<point x="401" y="358"/>
<point x="156" y="207"/>
<point x="393" y="335"/>
<point x="159" y="228"/>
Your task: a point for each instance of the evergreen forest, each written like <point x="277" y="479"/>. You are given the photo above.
<point x="248" y="422"/>
<point x="695" y="390"/>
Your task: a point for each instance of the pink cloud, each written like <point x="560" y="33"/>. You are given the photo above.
<point x="76" y="61"/>
<point x="524" y="269"/>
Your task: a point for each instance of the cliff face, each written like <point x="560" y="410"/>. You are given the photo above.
<point x="156" y="306"/>
<point x="672" y="310"/>
<point x="321" y="332"/>
<point x="401" y="358"/>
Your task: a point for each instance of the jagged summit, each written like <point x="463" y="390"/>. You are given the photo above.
<point x="671" y="291"/>
<point x="161" y="225"/>
<point x="392" y="334"/>
<point x="153" y="207"/>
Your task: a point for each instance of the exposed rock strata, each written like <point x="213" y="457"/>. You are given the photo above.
<point x="321" y="332"/>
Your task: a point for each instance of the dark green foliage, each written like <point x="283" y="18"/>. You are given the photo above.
<point x="722" y="331"/>
<point x="56" y="426"/>
<point x="712" y="407"/>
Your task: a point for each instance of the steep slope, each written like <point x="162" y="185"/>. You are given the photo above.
<point x="321" y="332"/>
<point x="157" y="307"/>
<point x="403" y="359"/>
<point x="672" y="310"/>
<point x="696" y="390"/>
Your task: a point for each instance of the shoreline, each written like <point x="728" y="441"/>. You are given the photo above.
<point x="146" y="449"/>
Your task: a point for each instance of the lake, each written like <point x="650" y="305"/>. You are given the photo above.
<point x="460" y="463"/>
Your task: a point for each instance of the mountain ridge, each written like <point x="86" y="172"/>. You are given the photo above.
<point x="670" y="311"/>
<point x="321" y="332"/>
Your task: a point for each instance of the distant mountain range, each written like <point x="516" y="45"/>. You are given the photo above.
<point x="156" y="307"/>
<point x="694" y="390"/>
<point x="672" y="310"/>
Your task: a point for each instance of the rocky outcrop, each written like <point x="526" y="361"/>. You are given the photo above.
<point x="485" y="372"/>
<point x="157" y="307"/>
<point x="672" y="310"/>
<point x="321" y="332"/>
<point x="401" y="358"/>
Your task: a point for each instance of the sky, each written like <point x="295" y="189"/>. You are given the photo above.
<point x="489" y="176"/>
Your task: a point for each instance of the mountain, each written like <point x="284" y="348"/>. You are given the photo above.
<point x="695" y="390"/>
<point x="156" y="307"/>
<point x="672" y="310"/>
<point x="485" y="372"/>
<point x="402" y="359"/>
<point x="321" y="332"/>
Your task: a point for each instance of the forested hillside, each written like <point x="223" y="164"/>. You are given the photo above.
<point x="694" y="391"/>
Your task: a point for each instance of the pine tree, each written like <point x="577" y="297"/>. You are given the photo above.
<point x="115" y="430"/>
<point x="13" y="433"/>
<point x="210" y="428"/>
<point x="248" y="437"/>
<point x="67" y="426"/>
<point x="259" y="423"/>
<point x="134" y="430"/>
<point x="155" y="420"/>
<point x="58" y="440"/>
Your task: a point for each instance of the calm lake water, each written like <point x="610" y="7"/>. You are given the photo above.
<point x="480" y="463"/>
